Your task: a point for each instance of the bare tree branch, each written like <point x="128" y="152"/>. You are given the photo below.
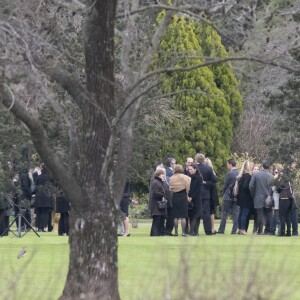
<point x="63" y="78"/>
<point x="212" y="62"/>
<point x="41" y="144"/>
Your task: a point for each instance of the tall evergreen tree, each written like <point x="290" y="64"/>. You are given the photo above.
<point x="225" y="79"/>
<point x="208" y="97"/>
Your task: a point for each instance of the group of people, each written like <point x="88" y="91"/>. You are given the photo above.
<point x="189" y="194"/>
<point x="34" y="192"/>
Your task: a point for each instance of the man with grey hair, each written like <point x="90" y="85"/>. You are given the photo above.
<point x="259" y="189"/>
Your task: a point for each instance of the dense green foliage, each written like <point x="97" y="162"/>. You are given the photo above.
<point x="207" y="97"/>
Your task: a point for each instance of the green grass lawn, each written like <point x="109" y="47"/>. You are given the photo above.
<point x="205" y="267"/>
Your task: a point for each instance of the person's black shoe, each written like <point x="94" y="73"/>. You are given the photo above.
<point x="50" y="228"/>
<point x="295" y="234"/>
<point x="220" y="232"/>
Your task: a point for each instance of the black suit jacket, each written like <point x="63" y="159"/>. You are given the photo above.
<point x="208" y="176"/>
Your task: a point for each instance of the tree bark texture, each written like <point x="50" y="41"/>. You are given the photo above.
<point x="93" y="269"/>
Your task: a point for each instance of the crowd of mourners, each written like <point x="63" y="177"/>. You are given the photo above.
<point x="34" y="197"/>
<point x="178" y="195"/>
<point x="185" y="195"/>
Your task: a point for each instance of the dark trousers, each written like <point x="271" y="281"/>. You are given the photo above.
<point x="243" y="219"/>
<point x="229" y="208"/>
<point x="27" y="215"/>
<point x="264" y="218"/>
<point x="206" y="216"/>
<point x="285" y="207"/>
<point x="63" y="224"/>
<point x="50" y="226"/>
<point x="169" y="221"/>
<point x="157" y="227"/>
<point x="294" y="220"/>
<point x="268" y="217"/>
<point x="42" y="217"/>
<point x="194" y="226"/>
<point x="4" y="221"/>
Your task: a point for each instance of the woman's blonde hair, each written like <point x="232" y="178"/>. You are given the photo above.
<point x="178" y="169"/>
<point x="208" y="162"/>
<point x="246" y="168"/>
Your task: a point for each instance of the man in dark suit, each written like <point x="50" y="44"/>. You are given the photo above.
<point x="188" y="162"/>
<point x="170" y="163"/>
<point x="208" y="176"/>
<point x="259" y="189"/>
<point x="229" y="205"/>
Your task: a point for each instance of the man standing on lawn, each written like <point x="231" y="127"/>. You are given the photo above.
<point x="259" y="188"/>
<point x="208" y="178"/>
<point x="229" y="206"/>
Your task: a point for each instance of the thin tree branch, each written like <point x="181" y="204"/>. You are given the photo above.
<point x="186" y="10"/>
<point x="64" y="79"/>
<point x="160" y="30"/>
<point x="212" y="62"/>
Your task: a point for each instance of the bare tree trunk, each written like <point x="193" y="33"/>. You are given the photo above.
<point x="93" y="269"/>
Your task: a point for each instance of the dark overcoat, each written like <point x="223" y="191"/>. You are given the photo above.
<point x="43" y="193"/>
<point x="208" y="176"/>
<point x="195" y="194"/>
<point x="157" y="193"/>
<point x="244" y="198"/>
<point x="62" y="205"/>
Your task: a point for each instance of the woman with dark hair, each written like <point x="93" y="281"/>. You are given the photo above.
<point x="44" y="201"/>
<point x="180" y="186"/>
<point x="194" y="198"/>
<point x="157" y="192"/>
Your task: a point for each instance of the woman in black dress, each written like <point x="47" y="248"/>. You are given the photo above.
<point x="194" y="198"/>
<point x="180" y="186"/>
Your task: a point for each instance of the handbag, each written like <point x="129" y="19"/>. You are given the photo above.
<point x="269" y="202"/>
<point x="162" y="204"/>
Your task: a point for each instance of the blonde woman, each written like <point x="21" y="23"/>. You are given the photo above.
<point x="214" y="198"/>
<point x="180" y="186"/>
<point x="244" y="198"/>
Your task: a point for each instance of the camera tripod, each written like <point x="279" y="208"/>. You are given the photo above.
<point x="19" y="217"/>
